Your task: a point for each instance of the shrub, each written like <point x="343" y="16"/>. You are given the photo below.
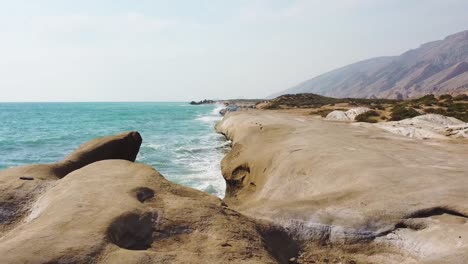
<point x="368" y="117"/>
<point x="426" y="100"/>
<point x="378" y="107"/>
<point x="445" y="97"/>
<point x="439" y="111"/>
<point x="461" y="97"/>
<point x="400" y="112"/>
<point x="321" y="112"/>
<point x="462" y="116"/>
<point x="457" y="107"/>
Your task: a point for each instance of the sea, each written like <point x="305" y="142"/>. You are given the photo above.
<point x="179" y="139"/>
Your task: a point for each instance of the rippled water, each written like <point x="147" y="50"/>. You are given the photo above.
<point x="178" y="139"/>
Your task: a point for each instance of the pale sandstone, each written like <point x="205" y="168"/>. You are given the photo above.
<point x="428" y="126"/>
<point x="118" y="211"/>
<point x="349" y="115"/>
<point x="342" y="184"/>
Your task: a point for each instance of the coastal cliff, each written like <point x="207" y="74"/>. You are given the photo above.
<point x="379" y="197"/>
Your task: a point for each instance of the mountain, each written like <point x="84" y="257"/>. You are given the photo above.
<point x="438" y="67"/>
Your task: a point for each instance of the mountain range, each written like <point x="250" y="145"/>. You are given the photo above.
<point x="438" y="67"/>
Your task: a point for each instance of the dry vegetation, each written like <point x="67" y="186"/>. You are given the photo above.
<point x="382" y="109"/>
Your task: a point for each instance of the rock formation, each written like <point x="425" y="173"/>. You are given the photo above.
<point x="428" y="126"/>
<point x="349" y="115"/>
<point x="202" y="102"/>
<point x="389" y="198"/>
<point x="20" y="186"/>
<point x="98" y="206"/>
<point x="299" y="190"/>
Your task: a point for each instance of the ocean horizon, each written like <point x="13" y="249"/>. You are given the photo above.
<point x="179" y="139"/>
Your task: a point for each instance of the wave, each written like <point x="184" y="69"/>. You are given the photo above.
<point x="218" y="107"/>
<point x="153" y="146"/>
<point x="213" y="116"/>
<point x="194" y="150"/>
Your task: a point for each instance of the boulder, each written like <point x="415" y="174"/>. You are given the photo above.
<point x="202" y="102"/>
<point x="229" y="108"/>
<point x="428" y="126"/>
<point x="20" y="186"/>
<point x="116" y="211"/>
<point x="349" y="115"/>
<point x="337" y="115"/>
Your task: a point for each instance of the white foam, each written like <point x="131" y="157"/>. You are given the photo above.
<point x="153" y="146"/>
<point x="218" y="108"/>
<point x="213" y="116"/>
<point x="209" y="119"/>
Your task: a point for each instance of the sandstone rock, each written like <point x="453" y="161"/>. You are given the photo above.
<point x="349" y="115"/>
<point x="17" y="195"/>
<point x="428" y="126"/>
<point x="338" y="115"/>
<point x="394" y="200"/>
<point x="117" y="211"/>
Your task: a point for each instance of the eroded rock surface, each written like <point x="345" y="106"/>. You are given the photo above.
<point x="349" y="115"/>
<point x="112" y="210"/>
<point x="428" y="126"/>
<point x="391" y="198"/>
<point x="20" y="186"/>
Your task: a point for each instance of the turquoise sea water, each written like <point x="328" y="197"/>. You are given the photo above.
<point x="178" y="139"/>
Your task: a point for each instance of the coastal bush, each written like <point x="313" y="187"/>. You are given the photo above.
<point x="457" y="107"/>
<point x="427" y="100"/>
<point x="321" y="112"/>
<point x="438" y="111"/>
<point x="377" y="106"/>
<point x="445" y="97"/>
<point x="400" y="112"/>
<point x="310" y="100"/>
<point x="461" y="116"/>
<point x="368" y="117"/>
<point x="461" y="97"/>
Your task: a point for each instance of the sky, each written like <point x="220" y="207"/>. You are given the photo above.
<point x="149" y="50"/>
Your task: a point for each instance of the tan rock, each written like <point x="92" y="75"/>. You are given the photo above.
<point x="20" y="186"/>
<point x="349" y="115"/>
<point x="344" y="185"/>
<point x="428" y="126"/>
<point x="117" y="211"/>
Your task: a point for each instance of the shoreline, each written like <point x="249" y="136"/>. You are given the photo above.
<point x="300" y="189"/>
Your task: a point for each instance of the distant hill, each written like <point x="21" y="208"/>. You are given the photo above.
<point x="438" y="67"/>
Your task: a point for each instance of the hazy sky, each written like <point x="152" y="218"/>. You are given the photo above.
<point x="148" y="50"/>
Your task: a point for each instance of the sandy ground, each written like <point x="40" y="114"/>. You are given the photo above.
<point x="341" y="184"/>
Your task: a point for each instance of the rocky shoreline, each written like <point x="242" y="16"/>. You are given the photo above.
<point x="99" y="206"/>
<point x="368" y="194"/>
<point x="299" y="190"/>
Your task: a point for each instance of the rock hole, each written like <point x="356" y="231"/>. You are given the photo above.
<point x="132" y="231"/>
<point x="280" y="244"/>
<point x="237" y="179"/>
<point x="143" y="194"/>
